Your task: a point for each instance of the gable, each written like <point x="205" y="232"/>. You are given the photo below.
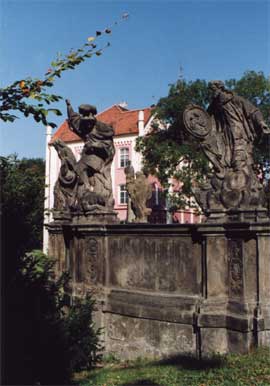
<point x="124" y="122"/>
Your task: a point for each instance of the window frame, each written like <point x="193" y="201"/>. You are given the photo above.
<point x="124" y="157"/>
<point x="125" y="194"/>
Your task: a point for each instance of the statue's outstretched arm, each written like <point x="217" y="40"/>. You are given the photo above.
<point x="259" y="121"/>
<point x="70" y="110"/>
<point x="73" y="118"/>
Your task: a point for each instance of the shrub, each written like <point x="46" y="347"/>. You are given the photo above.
<point x="84" y="340"/>
<point x="44" y="343"/>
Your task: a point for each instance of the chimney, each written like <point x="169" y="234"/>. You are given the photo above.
<point x="141" y="122"/>
<point x="123" y="104"/>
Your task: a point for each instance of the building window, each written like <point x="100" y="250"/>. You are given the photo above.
<point x="123" y="194"/>
<point x="124" y="157"/>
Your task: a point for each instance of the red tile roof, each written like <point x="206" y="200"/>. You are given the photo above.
<point x="122" y="120"/>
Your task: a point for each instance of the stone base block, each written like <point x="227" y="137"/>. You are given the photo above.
<point x="165" y="290"/>
<point x="264" y="338"/>
<point x="130" y="338"/>
<point x="101" y="217"/>
<point x="224" y="341"/>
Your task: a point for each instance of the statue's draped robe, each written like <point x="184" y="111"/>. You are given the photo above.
<point x="97" y="154"/>
<point x="237" y="121"/>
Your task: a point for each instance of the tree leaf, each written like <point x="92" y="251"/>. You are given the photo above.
<point x="53" y="125"/>
<point x="55" y="111"/>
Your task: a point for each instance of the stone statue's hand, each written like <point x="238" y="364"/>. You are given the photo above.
<point x="67" y="102"/>
<point x="265" y="128"/>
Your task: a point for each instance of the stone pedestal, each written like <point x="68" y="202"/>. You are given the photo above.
<point x="234" y="314"/>
<point x="171" y="289"/>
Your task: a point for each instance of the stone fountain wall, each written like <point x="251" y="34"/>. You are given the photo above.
<point x="172" y="289"/>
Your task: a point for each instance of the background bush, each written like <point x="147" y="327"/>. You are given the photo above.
<point x="42" y="342"/>
<point x="47" y="341"/>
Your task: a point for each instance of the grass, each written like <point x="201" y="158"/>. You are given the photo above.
<point x="232" y="370"/>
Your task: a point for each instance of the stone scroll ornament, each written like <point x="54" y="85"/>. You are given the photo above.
<point x="85" y="185"/>
<point x="226" y="133"/>
<point x="139" y="191"/>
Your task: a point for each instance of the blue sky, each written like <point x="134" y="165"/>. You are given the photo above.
<point x="215" y="39"/>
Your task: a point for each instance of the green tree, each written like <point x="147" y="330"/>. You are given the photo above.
<point x="84" y="340"/>
<point x="45" y="341"/>
<point x="42" y="339"/>
<point x="22" y="191"/>
<point x="22" y="202"/>
<point x="163" y="149"/>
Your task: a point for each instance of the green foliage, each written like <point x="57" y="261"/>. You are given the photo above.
<point x="163" y="149"/>
<point x="22" y="196"/>
<point x="47" y="340"/>
<point x="84" y="340"/>
<point x="185" y="371"/>
<point x="36" y="340"/>
<point x="40" y="339"/>
<point x="14" y="98"/>
<point x="255" y="87"/>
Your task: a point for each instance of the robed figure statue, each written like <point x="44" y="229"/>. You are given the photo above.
<point x="227" y="132"/>
<point x="91" y="189"/>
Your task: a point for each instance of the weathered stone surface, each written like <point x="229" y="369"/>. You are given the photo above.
<point x="217" y="266"/>
<point x="129" y="338"/>
<point x="155" y="263"/>
<point x="164" y="290"/>
<point x="249" y="267"/>
<point x="84" y="188"/>
<point x="227" y="133"/>
<point x="264" y="267"/>
<point x="57" y="248"/>
<point x="89" y="261"/>
<point x="163" y="307"/>
<point x="264" y="338"/>
<point x="222" y="341"/>
<point x="139" y="192"/>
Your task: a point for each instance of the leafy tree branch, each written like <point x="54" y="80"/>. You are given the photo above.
<point x="16" y="96"/>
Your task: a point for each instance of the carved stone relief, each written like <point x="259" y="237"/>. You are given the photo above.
<point x="235" y="254"/>
<point x="92" y="260"/>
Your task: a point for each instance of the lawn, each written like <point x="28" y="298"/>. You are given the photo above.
<point x="232" y="370"/>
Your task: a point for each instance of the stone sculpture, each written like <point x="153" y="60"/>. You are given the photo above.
<point x="85" y="186"/>
<point x="66" y="186"/>
<point x="227" y="132"/>
<point x="130" y="176"/>
<point x="139" y="191"/>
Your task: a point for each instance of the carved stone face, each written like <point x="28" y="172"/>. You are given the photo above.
<point x="87" y="124"/>
<point x="197" y="121"/>
<point x="216" y="88"/>
<point x="215" y="91"/>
